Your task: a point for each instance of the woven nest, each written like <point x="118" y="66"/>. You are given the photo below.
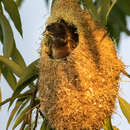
<point x="79" y="93"/>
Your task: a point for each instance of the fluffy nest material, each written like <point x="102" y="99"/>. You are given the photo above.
<point x="79" y="93"/>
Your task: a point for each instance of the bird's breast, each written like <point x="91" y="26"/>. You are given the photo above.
<point x="61" y="52"/>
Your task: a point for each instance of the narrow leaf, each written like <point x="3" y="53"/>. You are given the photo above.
<point x="17" y="105"/>
<point x="11" y="8"/>
<point x="26" y="128"/>
<point x="125" y="107"/>
<point x="28" y="75"/>
<point x="10" y="78"/>
<point x="0" y="97"/>
<point x="1" y="9"/>
<point x="21" y="117"/>
<point x="19" y="2"/>
<point x="124" y="5"/>
<point x="89" y="5"/>
<point x="22" y="106"/>
<point x="15" y="68"/>
<point x="114" y="27"/>
<point x="26" y="94"/>
<point x="110" y="8"/>
<point x="53" y="1"/>
<point x="8" y="38"/>
<point x="7" y="100"/>
<point x="1" y="34"/>
<point x="32" y="124"/>
<point x="103" y="10"/>
<point x="107" y="124"/>
<point x="0" y="88"/>
<point x="17" y="58"/>
<point x="44" y="125"/>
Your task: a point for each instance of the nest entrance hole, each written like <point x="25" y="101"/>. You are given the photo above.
<point x="73" y="30"/>
<point x="64" y="39"/>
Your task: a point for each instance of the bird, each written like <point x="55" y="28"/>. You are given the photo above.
<point x="61" y="40"/>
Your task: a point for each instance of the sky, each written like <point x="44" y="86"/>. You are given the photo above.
<point x="34" y="13"/>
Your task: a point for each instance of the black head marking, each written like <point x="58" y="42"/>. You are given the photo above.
<point x="57" y="30"/>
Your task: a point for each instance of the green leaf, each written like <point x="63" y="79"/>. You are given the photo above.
<point x="89" y="5"/>
<point x="20" y="96"/>
<point x="103" y="8"/>
<point x="125" y="107"/>
<point x="28" y="75"/>
<point x="0" y="88"/>
<point x="15" y="68"/>
<point x="17" y="105"/>
<point x="53" y="1"/>
<point x="19" y="2"/>
<point x="124" y="5"/>
<point x="26" y="128"/>
<point x="32" y="124"/>
<point x="45" y="125"/>
<point x="7" y="100"/>
<point x="1" y="9"/>
<point x="37" y="101"/>
<point x="11" y="8"/>
<point x="110" y="8"/>
<point x="17" y="58"/>
<point x="8" y="38"/>
<point x="21" y="117"/>
<point x="22" y="106"/>
<point x="10" y="78"/>
<point x="114" y="27"/>
<point x="107" y="124"/>
<point x="1" y="34"/>
<point x="0" y="97"/>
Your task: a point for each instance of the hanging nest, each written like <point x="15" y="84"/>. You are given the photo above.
<point x="78" y="92"/>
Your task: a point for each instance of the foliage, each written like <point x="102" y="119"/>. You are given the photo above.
<point x="13" y="66"/>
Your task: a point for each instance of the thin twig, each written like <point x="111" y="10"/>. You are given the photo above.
<point x="109" y="10"/>
<point x="125" y="73"/>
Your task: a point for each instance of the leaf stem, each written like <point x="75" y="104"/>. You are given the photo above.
<point x="125" y="73"/>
